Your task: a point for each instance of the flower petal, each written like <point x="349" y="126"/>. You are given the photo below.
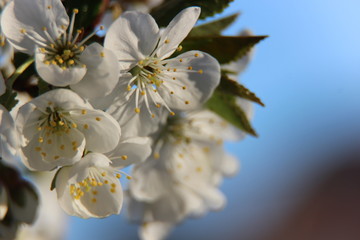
<point x="55" y="150"/>
<point x="131" y="37"/>
<point x="102" y="72"/>
<point x="193" y="86"/>
<point x="9" y="139"/>
<point x="32" y="16"/>
<point x="176" y="31"/>
<point x="2" y="85"/>
<point x="101" y="131"/>
<point x="155" y="230"/>
<point x="101" y="200"/>
<point x="57" y="76"/>
<point x="130" y="151"/>
<point x="3" y="202"/>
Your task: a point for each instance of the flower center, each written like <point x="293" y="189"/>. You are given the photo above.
<point x="55" y="120"/>
<point x="90" y="186"/>
<point x="65" y="50"/>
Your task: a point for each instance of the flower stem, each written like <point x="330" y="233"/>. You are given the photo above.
<point x="18" y="72"/>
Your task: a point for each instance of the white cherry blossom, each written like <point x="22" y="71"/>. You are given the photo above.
<point x="59" y="125"/>
<point x="183" y="82"/>
<point x="62" y="59"/>
<point x="90" y="188"/>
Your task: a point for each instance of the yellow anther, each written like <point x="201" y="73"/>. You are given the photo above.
<point x="53" y="124"/>
<point x="79" y="31"/>
<point x="142" y="93"/>
<point x="124" y="157"/>
<point x="102" y="54"/>
<point x="44" y="28"/>
<point x="137" y="110"/>
<point x="52" y="45"/>
<point x="206" y="149"/>
<point x="128" y="87"/>
<point x="118" y="175"/>
<point x="60" y="61"/>
<point x="156" y="155"/>
<point x="83" y="112"/>
<point x="181" y="155"/>
<point x="61" y="123"/>
<point x="93" y="200"/>
<point x="201" y="71"/>
<point x="74" y="125"/>
<point x="23" y="31"/>
<point x="128" y="177"/>
<point x="49" y="141"/>
<point x="98" y="119"/>
<point x="74" y="143"/>
<point x="94" y="192"/>
<point x="180" y="60"/>
<point x="171" y="92"/>
<point x="56" y="157"/>
<point x="83" y="66"/>
<point x="43" y="154"/>
<point x="71" y="62"/>
<point x="112" y="190"/>
<point x="75" y="10"/>
<point x="196" y="54"/>
<point x="62" y="147"/>
<point x="38" y="149"/>
<point x="168" y="69"/>
<point x="156" y="62"/>
<point x="103" y="174"/>
<point x="81" y="48"/>
<point x="49" y="7"/>
<point x="113" y="185"/>
<point x="86" y="126"/>
<point x="47" y="62"/>
<point x="141" y="62"/>
<point x="106" y="181"/>
<point x="94" y="183"/>
<point x="199" y="169"/>
<point x="174" y="69"/>
<point x="179" y="48"/>
<point x="158" y="105"/>
<point x="152" y="115"/>
<point x="40" y="139"/>
<point x="187" y="102"/>
<point x="39" y="128"/>
<point x="184" y="87"/>
<point x="53" y="62"/>
<point x="42" y="50"/>
<point x="101" y="27"/>
<point x="167" y="41"/>
<point x="172" y="113"/>
<point x="189" y="68"/>
<point x="100" y="184"/>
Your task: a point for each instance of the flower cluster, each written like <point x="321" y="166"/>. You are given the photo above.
<point x="133" y="98"/>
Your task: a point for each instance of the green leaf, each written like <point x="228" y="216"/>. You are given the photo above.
<point x="224" y="49"/>
<point x="8" y="99"/>
<point x="90" y="12"/>
<point x="165" y="12"/>
<point x="213" y="28"/>
<point x="232" y="87"/>
<point x="225" y="106"/>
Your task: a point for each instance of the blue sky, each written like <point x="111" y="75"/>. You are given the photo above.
<point x="307" y="73"/>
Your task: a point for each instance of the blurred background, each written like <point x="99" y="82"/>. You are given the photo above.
<point x="301" y="178"/>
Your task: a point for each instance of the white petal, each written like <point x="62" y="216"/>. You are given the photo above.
<point x="62" y="98"/>
<point x="9" y="139"/>
<point x="60" y="152"/>
<point x="176" y="31"/>
<point x="136" y="124"/>
<point x="102" y="72"/>
<point x="101" y="131"/>
<point x="155" y="230"/>
<point x="230" y="165"/>
<point x="57" y="76"/>
<point x="32" y="16"/>
<point x="107" y="202"/>
<point x="130" y="151"/>
<point x="149" y="183"/>
<point x="191" y="87"/>
<point x="131" y="37"/>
